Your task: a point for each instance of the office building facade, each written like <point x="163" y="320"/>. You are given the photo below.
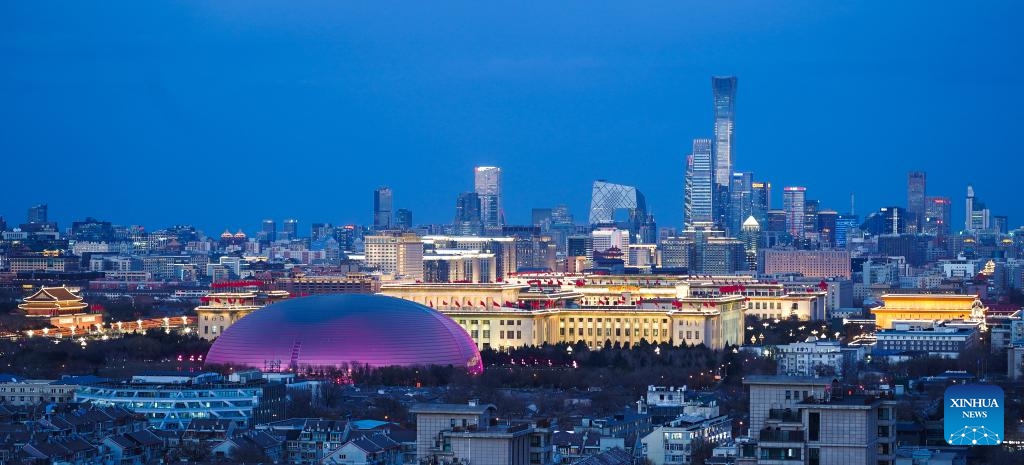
<point x="724" y="92"/>
<point x="916" y="200"/>
<point x="793" y="200"/>
<point x="809" y="263"/>
<point x="468" y="219"/>
<point x="699" y="188"/>
<point x="382" y="203"/>
<point x="487" y="185"/>
<point x="396" y="254"/>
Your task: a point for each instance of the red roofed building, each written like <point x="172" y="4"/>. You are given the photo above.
<point x="53" y="301"/>
<point x="62" y="306"/>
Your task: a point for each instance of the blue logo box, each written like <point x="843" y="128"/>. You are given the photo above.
<point x="973" y="415"/>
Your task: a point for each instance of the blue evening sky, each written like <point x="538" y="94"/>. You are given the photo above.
<point x="222" y="113"/>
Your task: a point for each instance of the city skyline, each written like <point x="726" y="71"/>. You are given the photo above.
<point x="529" y="100"/>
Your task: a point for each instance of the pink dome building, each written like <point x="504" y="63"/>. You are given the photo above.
<point x="343" y="330"/>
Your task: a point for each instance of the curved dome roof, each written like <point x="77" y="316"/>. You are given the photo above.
<point x="340" y="330"/>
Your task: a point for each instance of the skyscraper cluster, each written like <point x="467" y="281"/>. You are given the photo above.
<point x="715" y="196"/>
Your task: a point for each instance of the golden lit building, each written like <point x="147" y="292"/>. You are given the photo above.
<point x="220" y="310"/>
<point x="62" y="306"/>
<point x="622" y="311"/>
<point x="763" y="300"/>
<point x="715" y="323"/>
<point x="769" y="300"/>
<point x="53" y="301"/>
<point x="455" y="296"/>
<point x="927" y="307"/>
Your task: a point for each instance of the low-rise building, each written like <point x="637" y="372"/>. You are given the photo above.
<point x="816" y="421"/>
<point x="667" y="403"/>
<point x="374" y="449"/>
<point x="172" y="400"/>
<point x="470" y="433"/>
<point x="434" y="419"/>
<point x="673" y="444"/>
<point x="267" y="445"/>
<point x="812" y="357"/>
<point x="572" y="446"/>
<point x="36" y="391"/>
<point x="908" y="339"/>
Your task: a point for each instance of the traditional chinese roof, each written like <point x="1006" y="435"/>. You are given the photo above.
<point x="52" y="294"/>
<point x="52" y="301"/>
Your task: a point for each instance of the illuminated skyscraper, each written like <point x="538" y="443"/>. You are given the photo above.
<point x="845" y="224"/>
<point x="37" y="214"/>
<point x="698" y="196"/>
<point x="403" y="219"/>
<point x="936" y="217"/>
<point x="776" y="221"/>
<point x="268" y="231"/>
<point x="827" y="220"/>
<point x="487" y="185"/>
<point x="467" y="215"/>
<point x="793" y="204"/>
<point x="750" y="234"/>
<point x="290" y="230"/>
<point x="811" y="219"/>
<point x="978" y="217"/>
<point x="382" y="201"/>
<point x="623" y="206"/>
<point x="1000" y="224"/>
<point x="724" y="89"/>
<point x="607" y="199"/>
<point x="560" y="215"/>
<point x="761" y="201"/>
<point x="916" y="200"/>
<point x="741" y="200"/>
<point x="321" y="231"/>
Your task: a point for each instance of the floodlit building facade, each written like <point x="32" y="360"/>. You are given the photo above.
<point x="809" y="263"/>
<point x="927" y="308"/>
<point x="173" y="400"/>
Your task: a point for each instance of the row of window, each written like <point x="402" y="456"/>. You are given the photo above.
<point x="501" y="334"/>
<point x="31" y="399"/>
<point x="4" y="390"/>
<point x="795" y="395"/>
<point x="618" y="320"/>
